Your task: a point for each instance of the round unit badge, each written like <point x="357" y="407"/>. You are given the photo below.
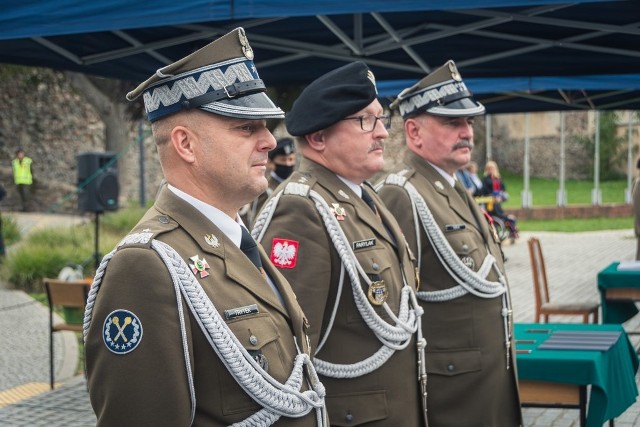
<point x="122" y="331"/>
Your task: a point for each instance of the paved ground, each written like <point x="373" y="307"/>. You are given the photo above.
<point x="573" y="261"/>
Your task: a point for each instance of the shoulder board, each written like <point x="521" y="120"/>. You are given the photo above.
<point x="148" y="229"/>
<point x="395" y="179"/>
<point x="297" y="189"/>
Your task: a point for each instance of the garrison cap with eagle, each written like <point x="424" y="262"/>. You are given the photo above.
<point x="441" y="93"/>
<point x="219" y="78"/>
<point x="332" y="97"/>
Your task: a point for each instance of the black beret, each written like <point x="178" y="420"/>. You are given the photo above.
<point x="284" y="146"/>
<point x="332" y="97"/>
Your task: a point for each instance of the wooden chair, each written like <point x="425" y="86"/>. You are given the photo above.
<point x="546" y="308"/>
<point x="61" y="293"/>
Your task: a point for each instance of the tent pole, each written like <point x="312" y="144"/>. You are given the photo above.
<point x="561" y="198"/>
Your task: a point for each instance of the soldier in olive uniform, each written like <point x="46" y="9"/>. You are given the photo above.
<point x="345" y="256"/>
<point x="282" y="162"/>
<point x="471" y="372"/>
<point x="183" y="325"/>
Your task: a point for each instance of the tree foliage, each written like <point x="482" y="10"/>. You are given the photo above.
<point x="611" y="152"/>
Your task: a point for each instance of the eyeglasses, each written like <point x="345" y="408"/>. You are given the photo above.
<point x="368" y="121"/>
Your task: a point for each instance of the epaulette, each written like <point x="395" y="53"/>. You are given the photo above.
<point x="148" y="229"/>
<point x="297" y="189"/>
<point x="395" y="179"/>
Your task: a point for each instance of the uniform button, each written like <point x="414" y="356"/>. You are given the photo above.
<point x="465" y="248"/>
<point x="253" y="339"/>
<point x="375" y="266"/>
<point x="451" y="368"/>
<point x="348" y="418"/>
<point x="163" y="220"/>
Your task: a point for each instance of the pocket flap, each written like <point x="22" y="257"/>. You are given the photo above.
<point x="254" y="332"/>
<point x="450" y="363"/>
<point x="357" y="408"/>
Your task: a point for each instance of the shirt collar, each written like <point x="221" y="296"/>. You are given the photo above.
<point x="450" y="179"/>
<point x="354" y="187"/>
<point x="227" y="225"/>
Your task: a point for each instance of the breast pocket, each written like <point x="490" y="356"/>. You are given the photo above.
<point x="466" y="247"/>
<point x="260" y="337"/>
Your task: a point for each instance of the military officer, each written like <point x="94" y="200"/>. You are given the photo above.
<point x="471" y="372"/>
<point x="282" y="162"/>
<point x="187" y="322"/>
<point x="343" y="253"/>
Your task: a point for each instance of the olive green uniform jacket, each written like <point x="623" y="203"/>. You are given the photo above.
<point x="149" y="386"/>
<point x="468" y="381"/>
<point x="388" y="396"/>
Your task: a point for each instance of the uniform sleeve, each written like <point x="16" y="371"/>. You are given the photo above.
<point x="148" y="384"/>
<point x="296" y="219"/>
<point x="397" y="201"/>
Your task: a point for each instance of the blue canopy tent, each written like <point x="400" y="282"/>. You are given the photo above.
<point x="495" y="43"/>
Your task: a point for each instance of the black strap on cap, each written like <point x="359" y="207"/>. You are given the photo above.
<point x="448" y="99"/>
<point x="235" y="90"/>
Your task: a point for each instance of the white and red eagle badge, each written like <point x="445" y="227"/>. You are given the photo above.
<point x="284" y="253"/>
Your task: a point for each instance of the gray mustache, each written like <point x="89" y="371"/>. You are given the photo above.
<point x="465" y="143"/>
<point x="376" y="146"/>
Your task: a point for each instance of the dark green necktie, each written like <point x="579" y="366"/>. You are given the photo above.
<point x="250" y="248"/>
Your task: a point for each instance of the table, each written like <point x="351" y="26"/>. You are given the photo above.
<point x="611" y="373"/>
<point x="618" y="291"/>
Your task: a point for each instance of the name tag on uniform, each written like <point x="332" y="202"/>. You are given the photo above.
<point x="241" y="311"/>
<point x="454" y="227"/>
<point x="362" y="244"/>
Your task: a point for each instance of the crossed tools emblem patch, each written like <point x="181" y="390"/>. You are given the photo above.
<point x="122" y="331"/>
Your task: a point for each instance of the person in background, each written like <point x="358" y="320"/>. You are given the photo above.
<point x="343" y="253"/>
<point x="636" y="207"/>
<point x="187" y="322"/>
<point x="23" y="177"/>
<point x="467" y="320"/>
<point x="493" y="185"/>
<point x="464" y="177"/>
<point x="282" y="162"/>
<point x="472" y="168"/>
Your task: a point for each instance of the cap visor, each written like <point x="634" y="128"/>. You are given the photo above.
<point x="255" y="106"/>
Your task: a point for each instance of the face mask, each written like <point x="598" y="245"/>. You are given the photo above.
<point x="283" y="171"/>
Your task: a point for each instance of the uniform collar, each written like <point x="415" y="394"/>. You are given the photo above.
<point x="450" y="179"/>
<point x="354" y="187"/>
<point x="221" y="220"/>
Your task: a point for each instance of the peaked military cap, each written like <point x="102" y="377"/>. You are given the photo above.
<point x="441" y="93"/>
<point x="219" y="78"/>
<point x="332" y="97"/>
<point x="284" y="147"/>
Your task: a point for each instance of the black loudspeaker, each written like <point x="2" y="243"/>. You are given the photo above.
<point x="98" y="187"/>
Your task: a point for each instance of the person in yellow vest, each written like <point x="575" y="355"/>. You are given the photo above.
<point x="22" y="176"/>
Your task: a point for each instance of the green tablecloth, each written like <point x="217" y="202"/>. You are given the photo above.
<point x="610" y="277"/>
<point x="610" y="373"/>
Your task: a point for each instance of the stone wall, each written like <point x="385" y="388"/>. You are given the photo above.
<point x="45" y="116"/>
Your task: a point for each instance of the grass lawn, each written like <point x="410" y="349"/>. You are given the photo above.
<point x="543" y="191"/>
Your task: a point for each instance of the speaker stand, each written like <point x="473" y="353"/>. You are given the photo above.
<point x="96" y="251"/>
